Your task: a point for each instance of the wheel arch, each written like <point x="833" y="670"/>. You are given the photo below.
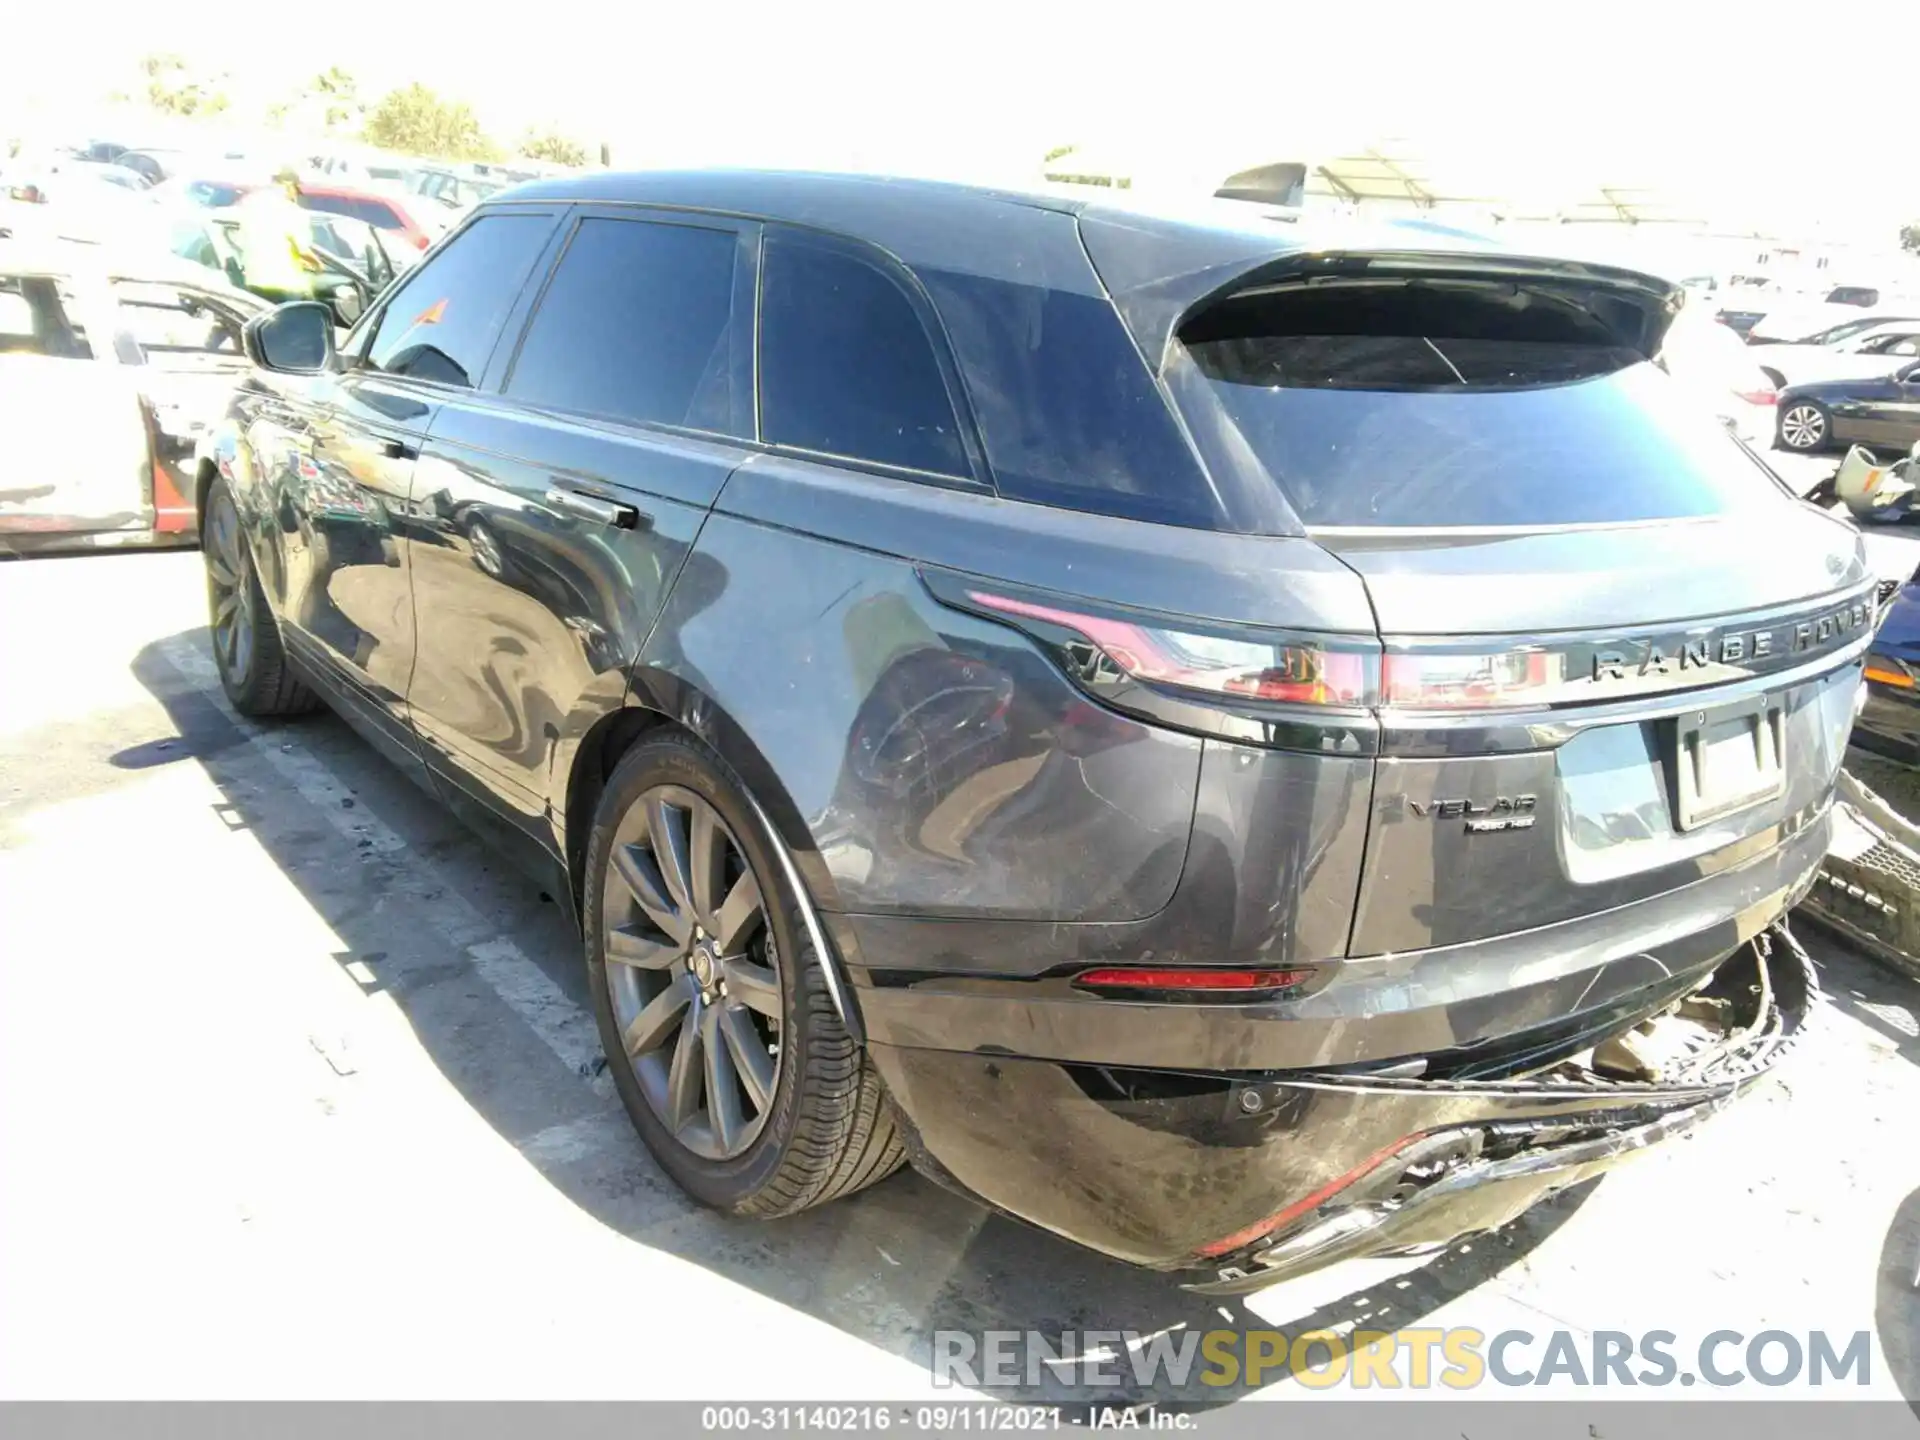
<point x="660" y="700"/>
<point x="657" y="698"/>
<point x="203" y="477"/>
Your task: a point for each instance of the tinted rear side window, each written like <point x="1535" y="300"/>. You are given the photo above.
<point x="636" y="324"/>
<point x="1068" y="412"/>
<point x="846" y="366"/>
<point x="442" y="323"/>
<point x="1458" y="406"/>
<point x="369" y="212"/>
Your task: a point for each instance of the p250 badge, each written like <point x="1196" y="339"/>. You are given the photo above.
<point x="1503" y="812"/>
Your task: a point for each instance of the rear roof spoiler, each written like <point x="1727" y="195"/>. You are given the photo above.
<point x="1160" y="270"/>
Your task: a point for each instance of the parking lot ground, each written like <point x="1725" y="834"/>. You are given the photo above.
<point x="298" y="1097"/>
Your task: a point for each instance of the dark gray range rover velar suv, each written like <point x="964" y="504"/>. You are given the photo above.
<point x="1238" y="745"/>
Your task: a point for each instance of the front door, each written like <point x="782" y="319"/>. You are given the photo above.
<point x="557" y="505"/>
<point x="189" y="352"/>
<point x="76" y="444"/>
<point x="349" y="603"/>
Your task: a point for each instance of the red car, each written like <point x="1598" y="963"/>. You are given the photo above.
<point x="382" y="212"/>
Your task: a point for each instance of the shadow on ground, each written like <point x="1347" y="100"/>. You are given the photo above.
<point x="892" y="1266"/>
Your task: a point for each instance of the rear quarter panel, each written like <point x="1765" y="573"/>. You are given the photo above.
<point x="930" y="763"/>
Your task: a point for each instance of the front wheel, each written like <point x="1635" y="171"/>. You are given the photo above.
<point x="246" y="638"/>
<point x="713" y="1011"/>
<point x="1804" y="426"/>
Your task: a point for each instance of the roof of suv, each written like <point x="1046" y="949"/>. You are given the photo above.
<point x="1175" y="252"/>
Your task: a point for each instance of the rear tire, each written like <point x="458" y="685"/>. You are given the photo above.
<point x="801" y="1118"/>
<point x="246" y="638"/>
<point x="1805" y="426"/>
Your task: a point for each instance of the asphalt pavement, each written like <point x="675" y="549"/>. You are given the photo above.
<point x="299" y="1097"/>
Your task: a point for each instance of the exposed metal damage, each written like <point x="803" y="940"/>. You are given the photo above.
<point x="1492" y="1148"/>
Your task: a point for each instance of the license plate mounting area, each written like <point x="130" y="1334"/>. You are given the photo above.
<point x="1728" y="758"/>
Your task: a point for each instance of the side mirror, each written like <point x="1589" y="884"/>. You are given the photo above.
<point x="348" y="304"/>
<point x="295" y="338"/>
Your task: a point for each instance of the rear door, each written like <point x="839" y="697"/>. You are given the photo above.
<point x="1589" y="597"/>
<point x="556" y="503"/>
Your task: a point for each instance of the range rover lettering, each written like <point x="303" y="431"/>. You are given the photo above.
<point x="1239" y="744"/>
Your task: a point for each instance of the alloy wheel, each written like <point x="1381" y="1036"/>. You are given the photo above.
<point x="1803" y="427"/>
<point x="692" y="972"/>
<point x="229" y="595"/>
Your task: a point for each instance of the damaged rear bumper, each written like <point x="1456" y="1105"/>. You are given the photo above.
<point x="1234" y="1181"/>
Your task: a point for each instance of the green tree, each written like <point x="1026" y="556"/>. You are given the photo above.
<point x="338" y="95"/>
<point x="552" y="146"/>
<point x="176" y="90"/>
<point x="329" y="102"/>
<point x="1910" y="237"/>
<point x="416" y="121"/>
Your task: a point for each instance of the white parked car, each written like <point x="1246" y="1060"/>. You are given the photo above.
<point x="1714" y="365"/>
<point x="109" y="374"/>
<point x="1822" y="324"/>
<point x="1877" y="349"/>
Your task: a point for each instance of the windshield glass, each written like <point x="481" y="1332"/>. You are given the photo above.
<point x="1496" y="408"/>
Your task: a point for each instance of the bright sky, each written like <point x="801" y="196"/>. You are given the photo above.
<point x="1716" y="97"/>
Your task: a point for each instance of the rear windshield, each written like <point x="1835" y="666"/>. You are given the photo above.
<point x="1457" y="405"/>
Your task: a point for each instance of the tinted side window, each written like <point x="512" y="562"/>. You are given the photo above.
<point x="1068" y="412"/>
<point x="636" y="324"/>
<point x="375" y="213"/>
<point x="370" y="212"/>
<point x="442" y="324"/>
<point x="846" y="367"/>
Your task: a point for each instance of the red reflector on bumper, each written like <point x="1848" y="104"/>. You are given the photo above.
<point x="1192" y="979"/>
<point x="1227" y="1244"/>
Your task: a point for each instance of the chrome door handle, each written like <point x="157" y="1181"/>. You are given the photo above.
<point x="601" y="512"/>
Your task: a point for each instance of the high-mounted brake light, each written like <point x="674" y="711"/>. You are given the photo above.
<point x="1198" y="979"/>
<point x="1296" y="674"/>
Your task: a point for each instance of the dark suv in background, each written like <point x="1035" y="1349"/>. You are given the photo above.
<point x="1239" y="745"/>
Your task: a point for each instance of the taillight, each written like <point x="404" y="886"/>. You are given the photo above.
<point x="1887" y="671"/>
<point x="1276" y="670"/>
<point x="1759" y="397"/>
<point x="31" y="194"/>
<point x="1199" y="675"/>
<point x="1469" y="682"/>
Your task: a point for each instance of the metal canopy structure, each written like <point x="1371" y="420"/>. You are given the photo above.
<point x="1508" y="186"/>
<point x="1515" y="179"/>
